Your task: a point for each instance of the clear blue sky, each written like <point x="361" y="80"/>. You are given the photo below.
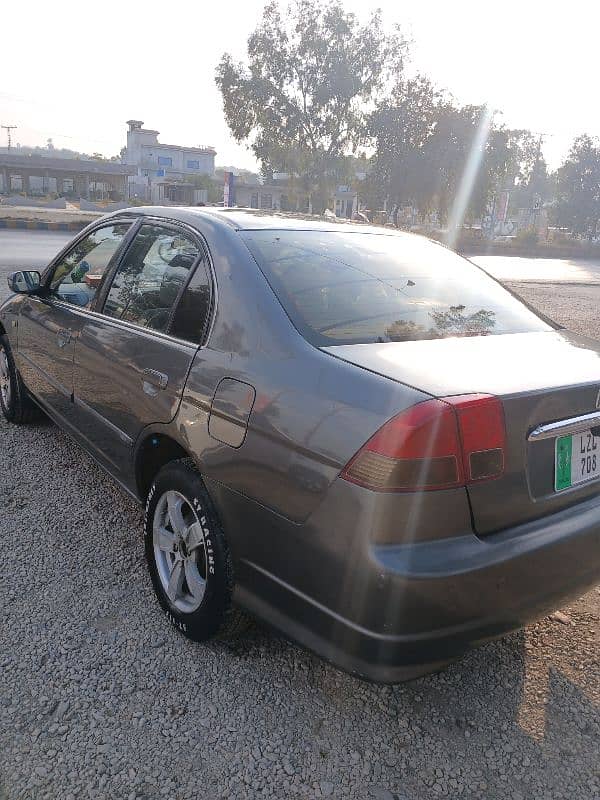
<point x="78" y="71"/>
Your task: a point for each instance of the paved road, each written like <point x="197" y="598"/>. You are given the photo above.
<point x="550" y="270"/>
<point x="32" y="249"/>
<point x="27" y="250"/>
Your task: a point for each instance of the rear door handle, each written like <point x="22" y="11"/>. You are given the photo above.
<point x="154" y="378"/>
<point x="63" y="337"/>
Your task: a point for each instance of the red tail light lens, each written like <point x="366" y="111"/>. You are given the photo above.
<point x="438" y="444"/>
<point x="482" y="433"/>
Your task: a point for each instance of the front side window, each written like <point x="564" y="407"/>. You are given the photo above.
<point x="165" y="161"/>
<point x="77" y="276"/>
<point x="193" y="164"/>
<point x="151" y="276"/>
<point x="347" y="288"/>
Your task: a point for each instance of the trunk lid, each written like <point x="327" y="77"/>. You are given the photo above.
<point x="541" y="377"/>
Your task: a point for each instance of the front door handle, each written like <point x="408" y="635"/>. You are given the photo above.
<point x="63" y="337"/>
<point x="154" y="379"/>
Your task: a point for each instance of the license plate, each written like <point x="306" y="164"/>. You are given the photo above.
<point x="577" y="460"/>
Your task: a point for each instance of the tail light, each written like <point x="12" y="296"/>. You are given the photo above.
<point x="438" y="444"/>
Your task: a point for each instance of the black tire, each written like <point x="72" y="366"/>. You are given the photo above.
<point x="19" y="408"/>
<point x="215" y="616"/>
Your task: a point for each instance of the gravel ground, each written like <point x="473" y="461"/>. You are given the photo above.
<point x="101" y="698"/>
<point x="570" y="304"/>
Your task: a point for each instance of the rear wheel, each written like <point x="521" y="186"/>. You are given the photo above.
<point x="15" y="403"/>
<point x="188" y="556"/>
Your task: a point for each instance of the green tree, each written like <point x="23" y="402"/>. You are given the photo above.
<point x="578" y="186"/>
<point x="424" y="143"/>
<point x="401" y="125"/>
<point x="302" y="99"/>
<point x="213" y="187"/>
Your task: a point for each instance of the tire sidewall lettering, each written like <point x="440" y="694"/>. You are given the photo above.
<point x="176" y="622"/>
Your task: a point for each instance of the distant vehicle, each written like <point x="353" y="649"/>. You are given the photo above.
<point x="351" y="432"/>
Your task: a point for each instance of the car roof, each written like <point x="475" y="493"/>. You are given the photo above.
<point x="256" y="219"/>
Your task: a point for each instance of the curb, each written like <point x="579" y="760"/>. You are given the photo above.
<point x="37" y="225"/>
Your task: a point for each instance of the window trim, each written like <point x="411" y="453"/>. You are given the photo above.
<point x="136" y="221"/>
<point x="131" y="326"/>
<point x="203" y="257"/>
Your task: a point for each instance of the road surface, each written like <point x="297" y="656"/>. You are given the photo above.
<point x="27" y="250"/>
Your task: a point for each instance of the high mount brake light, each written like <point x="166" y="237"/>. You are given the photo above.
<point x="437" y="444"/>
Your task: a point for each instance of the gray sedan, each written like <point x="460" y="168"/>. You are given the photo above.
<point x="352" y="433"/>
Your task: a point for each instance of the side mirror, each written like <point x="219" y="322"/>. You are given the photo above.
<point x="25" y="282"/>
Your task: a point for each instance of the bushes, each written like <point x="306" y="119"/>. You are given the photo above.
<point x="528" y="237"/>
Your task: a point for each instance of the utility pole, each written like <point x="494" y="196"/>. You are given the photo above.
<point x="535" y="199"/>
<point x="8" y="129"/>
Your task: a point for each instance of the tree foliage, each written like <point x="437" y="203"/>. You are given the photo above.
<point x="578" y="186"/>
<point x="303" y="96"/>
<point x="318" y="87"/>
<point x="423" y="142"/>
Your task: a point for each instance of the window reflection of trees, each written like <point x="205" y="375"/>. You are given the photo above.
<point x="453" y="322"/>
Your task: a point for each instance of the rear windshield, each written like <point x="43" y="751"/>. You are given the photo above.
<point x="348" y="288"/>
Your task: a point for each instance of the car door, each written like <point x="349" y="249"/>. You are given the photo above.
<point x="50" y="322"/>
<point x="132" y="358"/>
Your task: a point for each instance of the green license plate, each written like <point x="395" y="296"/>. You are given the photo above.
<point x="577" y="460"/>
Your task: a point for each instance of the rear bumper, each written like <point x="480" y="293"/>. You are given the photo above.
<point x="485" y="588"/>
<point x="415" y="607"/>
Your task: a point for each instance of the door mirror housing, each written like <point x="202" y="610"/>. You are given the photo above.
<point x="24" y="282"/>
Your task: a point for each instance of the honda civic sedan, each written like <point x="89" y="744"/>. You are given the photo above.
<point x="352" y="433"/>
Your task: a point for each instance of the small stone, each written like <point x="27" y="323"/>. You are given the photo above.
<point x="380" y="793"/>
<point x="61" y="710"/>
<point x="326" y="788"/>
<point x="559" y="616"/>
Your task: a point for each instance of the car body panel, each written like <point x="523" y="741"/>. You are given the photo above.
<point x="117" y="383"/>
<point x="509" y="364"/>
<point x="46" y="347"/>
<point x="540" y="377"/>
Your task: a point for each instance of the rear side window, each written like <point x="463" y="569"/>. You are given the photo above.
<point x="347" y="288"/>
<point x="191" y="315"/>
<point x="151" y="276"/>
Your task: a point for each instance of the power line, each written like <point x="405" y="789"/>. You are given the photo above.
<point x="8" y="129"/>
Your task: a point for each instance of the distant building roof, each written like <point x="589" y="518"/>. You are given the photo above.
<point x="78" y="165"/>
<point x="202" y="150"/>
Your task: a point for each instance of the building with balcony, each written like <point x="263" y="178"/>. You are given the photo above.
<point x="164" y="173"/>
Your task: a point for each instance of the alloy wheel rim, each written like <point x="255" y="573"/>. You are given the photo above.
<point x="179" y="551"/>
<point x="5" y="383"/>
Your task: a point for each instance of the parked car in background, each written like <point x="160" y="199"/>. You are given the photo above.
<point x="350" y="432"/>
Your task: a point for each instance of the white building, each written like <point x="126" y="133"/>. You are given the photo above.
<point x="165" y="172"/>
